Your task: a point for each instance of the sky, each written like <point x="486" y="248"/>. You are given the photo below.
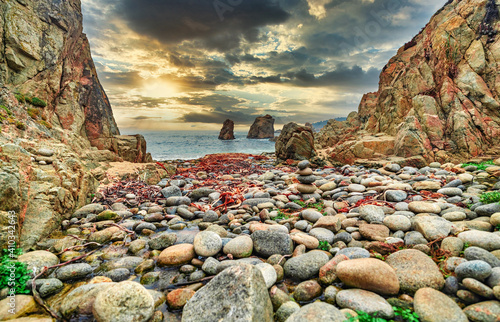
<point x="191" y="64"/>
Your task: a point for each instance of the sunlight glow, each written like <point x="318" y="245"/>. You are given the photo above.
<point x="159" y="89"/>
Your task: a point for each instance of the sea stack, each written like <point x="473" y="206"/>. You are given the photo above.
<point x="262" y="128"/>
<point x="227" y="131"/>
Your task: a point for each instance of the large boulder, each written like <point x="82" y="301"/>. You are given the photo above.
<point x="317" y="312"/>
<point x="262" y="128"/>
<point x="132" y="148"/>
<point x="50" y="200"/>
<point x="415" y="270"/>
<point x="80" y="300"/>
<point x="432" y="305"/>
<point x="238" y="293"/>
<point x="295" y="142"/>
<point x="227" y="131"/>
<point x="125" y="301"/>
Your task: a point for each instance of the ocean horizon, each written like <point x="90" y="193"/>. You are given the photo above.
<point x="186" y="145"/>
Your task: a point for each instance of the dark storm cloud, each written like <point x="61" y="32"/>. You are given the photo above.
<point x="341" y="77"/>
<point x="268" y="79"/>
<point x="142" y="118"/>
<point x="142" y="101"/>
<point x="258" y="42"/>
<point x="218" y="115"/>
<point x="356" y="25"/>
<point x="180" y="61"/>
<point x="213" y="77"/>
<point x="216" y="108"/>
<point x="213" y="100"/>
<point x="128" y="79"/>
<point x="282" y="62"/>
<point x="220" y="23"/>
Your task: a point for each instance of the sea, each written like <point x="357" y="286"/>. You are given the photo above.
<point x="186" y="145"/>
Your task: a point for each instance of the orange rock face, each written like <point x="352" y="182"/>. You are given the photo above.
<point x="59" y="72"/>
<point x="438" y="98"/>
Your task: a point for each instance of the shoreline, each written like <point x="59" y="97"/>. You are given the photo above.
<point x="193" y="145"/>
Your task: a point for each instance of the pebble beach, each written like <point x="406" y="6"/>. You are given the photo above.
<point x="292" y="242"/>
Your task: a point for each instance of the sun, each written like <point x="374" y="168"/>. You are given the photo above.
<point x="159" y="89"/>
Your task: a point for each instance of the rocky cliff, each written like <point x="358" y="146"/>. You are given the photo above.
<point x="438" y="98"/>
<point x="44" y="54"/>
<point x="57" y="127"/>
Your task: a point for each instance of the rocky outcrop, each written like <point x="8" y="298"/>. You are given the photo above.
<point x="44" y="54"/>
<point x="438" y="98"/>
<point x="295" y="142"/>
<point x="227" y="131"/>
<point x="57" y="133"/>
<point x="40" y="196"/>
<point x="262" y="128"/>
<point x="42" y="182"/>
<point x="239" y="293"/>
<point x="336" y="131"/>
<point x="132" y="148"/>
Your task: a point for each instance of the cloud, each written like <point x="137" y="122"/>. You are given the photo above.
<point x="142" y="117"/>
<point x="191" y="61"/>
<point x="340" y="78"/>
<point x="215" y="108"/>
<point x="213" y="100"/>
<point x="218" y="116"/>
<point x="127" y="80"/>
<point x="218" y="24"/>
<point x="317" y="8"/>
